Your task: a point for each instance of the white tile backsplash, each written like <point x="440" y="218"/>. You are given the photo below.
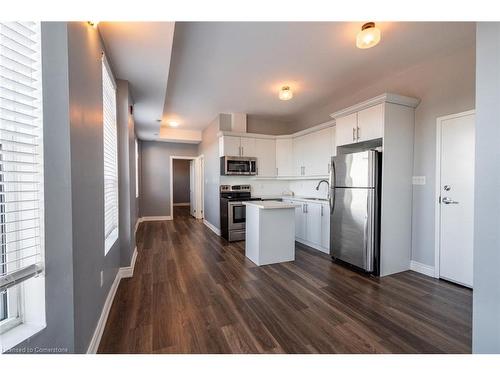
<point x="301" y="188"/>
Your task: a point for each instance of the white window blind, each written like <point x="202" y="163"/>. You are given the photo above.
<point x="110" y="157"/>
<point x="21" y="172"/>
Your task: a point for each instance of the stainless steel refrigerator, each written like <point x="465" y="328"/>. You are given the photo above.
<point x="355" y="209"/>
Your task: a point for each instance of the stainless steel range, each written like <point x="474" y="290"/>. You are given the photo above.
<point x="233" y="212"/>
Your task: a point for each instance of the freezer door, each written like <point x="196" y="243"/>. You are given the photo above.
<point x="354" y="170"/>
<point x="351" y="227"/>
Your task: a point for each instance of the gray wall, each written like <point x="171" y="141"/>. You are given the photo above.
<point x="209" y="148"/>
<point x="59" y="332"/>
<point x="126" y="171"/>
<point x="265" y="125"/>
<point x="486" y="308"/>
<point x="155" y="175"/>
<point x="74" y="185"/>
<point x="181" y="181"/>
<point x="445" y="85"/>
<point x="87" y="176"/>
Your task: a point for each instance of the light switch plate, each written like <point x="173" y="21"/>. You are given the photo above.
<point x="418" y="180"/>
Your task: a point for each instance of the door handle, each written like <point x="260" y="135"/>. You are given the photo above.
<point x="447" y="200"/>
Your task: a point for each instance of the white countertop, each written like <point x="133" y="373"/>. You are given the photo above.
<point x="269" y="205"/>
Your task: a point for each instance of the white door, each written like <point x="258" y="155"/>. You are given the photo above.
<point x="370" y="123"/>
<point x="345" y="128"/>
<point x="247" y="146"/>
<point x="284" y="157"/>
<point x="456" y="190"/>
<point x="313" y="223"/>
<point x="230" y="146"/>
<point x="192" y="184"/>
<point x="325" y="228"/>
<point x="300" y="221"/>
<point x="265" y="152"/>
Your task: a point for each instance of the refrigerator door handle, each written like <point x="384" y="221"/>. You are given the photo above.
<point x="331" y="197"/>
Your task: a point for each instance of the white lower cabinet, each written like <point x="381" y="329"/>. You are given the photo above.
<point x="312" y="224"/>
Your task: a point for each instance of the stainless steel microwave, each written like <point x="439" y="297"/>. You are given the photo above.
<point x="238" y="166"/>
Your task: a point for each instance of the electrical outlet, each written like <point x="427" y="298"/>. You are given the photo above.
<point x="418" y="180"/>
<point x="102" y="278"/>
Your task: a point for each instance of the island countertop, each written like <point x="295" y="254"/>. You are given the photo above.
<point x="269" y="205"/>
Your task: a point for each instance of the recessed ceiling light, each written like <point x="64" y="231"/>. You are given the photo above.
<point x="173" y="124"/>
<point x="368" y="37"/>
<point x="285" y="93"/>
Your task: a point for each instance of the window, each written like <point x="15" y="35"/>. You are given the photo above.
<point x="136" y="169"/>
<point x="21" y="183"/>
<point x="110" y="157"/>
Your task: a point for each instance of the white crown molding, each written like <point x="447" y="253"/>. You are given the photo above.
<point x="123" y="272"/>
<point x="384" y="98"/>
<point x="212" y="227"/>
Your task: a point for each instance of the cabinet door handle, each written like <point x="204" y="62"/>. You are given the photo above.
<point x="357" y="133"/>
<point x="307" y="208"/>
<point x="321" y="210"/>
<point x="353" y="134"/>
<point x="277" y="174"/>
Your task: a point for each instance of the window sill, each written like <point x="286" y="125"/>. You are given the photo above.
<point x="17" y="335"/>
<point x="110" y="241"/>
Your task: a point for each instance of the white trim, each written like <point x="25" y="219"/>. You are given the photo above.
<point x="437" y="186"/>
<point x="172" y="157"/>
<point x="155" y="218"/>
<point x="182" y="204"/>
<point x="123" y="272"/>
<point x="212" y="227"/>
<point x="384" y="98"/>
<point x="126" y="272"/>
<point x="422" y="268"/>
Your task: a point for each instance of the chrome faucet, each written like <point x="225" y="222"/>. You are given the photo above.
<point x="327" y="184"/>
<point x="325" y="181"/>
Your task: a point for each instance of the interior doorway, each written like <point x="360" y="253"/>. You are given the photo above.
<point x="184" y="186"/>
<point x="455" y="198"/>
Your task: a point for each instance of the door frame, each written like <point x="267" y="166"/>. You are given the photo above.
<point x="193" y="158"/>
<point x="437" y="186"/>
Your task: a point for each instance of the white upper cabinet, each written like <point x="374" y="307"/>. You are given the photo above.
<point x="371" y="123"/>
<point x="284" y="157"/>
<point x="319" y="152"/>
<point x="236" y="146"/>
<point x="333" y="139"/>
<point x="229" y="146"/>
<point x="345" y="129"/>
<point x="364" y="125"/>
<point x="265" y="152"/>
<point x="248" y="146"/>
<point x="299" y="145"/>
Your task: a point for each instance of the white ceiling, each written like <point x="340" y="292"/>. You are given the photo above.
<point x="140" y="53"/>
<point x="219" y="67"/>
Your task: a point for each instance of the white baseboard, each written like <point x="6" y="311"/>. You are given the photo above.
<point x="422" y="268"/>
<point x="181" y="204"/>
<point x="155" y="218"/>
<point x="123" y="272"/>
<point x="212" y="227"/>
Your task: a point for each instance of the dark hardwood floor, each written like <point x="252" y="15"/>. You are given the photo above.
<point x="193" y="292"/>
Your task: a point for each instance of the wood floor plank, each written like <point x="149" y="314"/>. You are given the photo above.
<point x="194" y="292"/>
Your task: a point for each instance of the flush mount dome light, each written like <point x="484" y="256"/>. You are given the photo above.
<point x="173" y="124"/>
<point x="285" y="93"/>
<point x="368" y="37"/>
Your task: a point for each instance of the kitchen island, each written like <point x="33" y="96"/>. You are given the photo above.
<point x="270" y="232"/>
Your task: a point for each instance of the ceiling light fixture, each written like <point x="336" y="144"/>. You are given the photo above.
<point x="286" y="93"/>
<point x="368" y="37"/>
<point x="93" y="24"/>
<point x="173" y="124"/>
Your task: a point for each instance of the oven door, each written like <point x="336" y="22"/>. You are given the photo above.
<point x="236" y="215"/>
